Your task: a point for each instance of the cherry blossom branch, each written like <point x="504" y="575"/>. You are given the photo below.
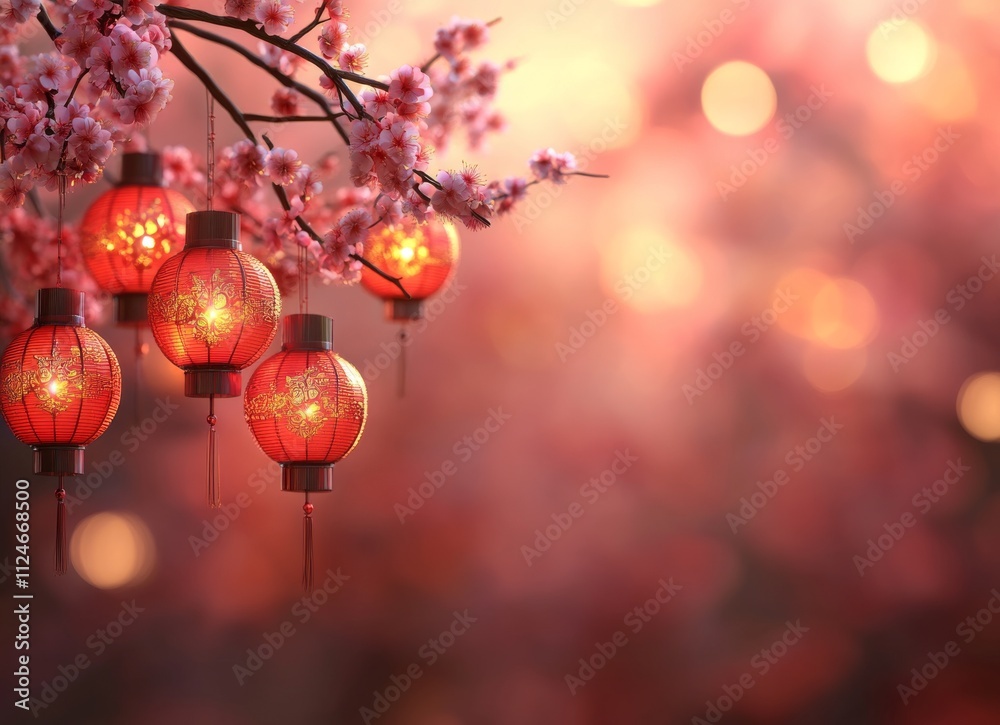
<point x="46" y="22"/>
<point x="316" y="21"/>
<point x="223" y="100"/>
<point x="283" y="119"/>
<point x="285" y="80"/>
<point x="338" y="77"/>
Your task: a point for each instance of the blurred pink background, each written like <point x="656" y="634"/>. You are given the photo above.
<point x="766" y="388"/>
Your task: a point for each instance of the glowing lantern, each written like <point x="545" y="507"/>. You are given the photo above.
<point x="422" y="256"/>
<point x="59" y="389"/>
<point x="306" y="408"/>
<point x="213" y="310"/>
<point x="130" y="231"/>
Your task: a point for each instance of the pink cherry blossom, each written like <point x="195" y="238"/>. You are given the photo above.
<point x="332" y="39"/>
<point x="242" y="9"/>
<point x="353" y="58"/>
<point x="274" y="15"/>
<point x="282" y="165"/>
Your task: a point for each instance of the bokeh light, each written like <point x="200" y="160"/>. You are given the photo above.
<point x="844" y="315"/>
<point x="900" y="52"/>
<point x="649" y="271"/>
<point x="110" y="550"/>
<point x="738" y="98"/>
<point x="979" y="406"/>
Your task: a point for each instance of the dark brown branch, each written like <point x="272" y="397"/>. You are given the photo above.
<point x="337" y="76"/>
<point x="283" y="119"/>
<point x="317" y="19"/>
<point x="46" y="23"/>
<point x="285" y="80"/>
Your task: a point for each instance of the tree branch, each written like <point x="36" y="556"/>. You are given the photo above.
<point x="285" y="80"/>
<point x="43" y="19"/>
<point x="283" y="119"/>
<point x="337" y="76"/>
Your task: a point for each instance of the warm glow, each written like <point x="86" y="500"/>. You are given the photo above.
<point x="738" y="98"/>
<point x="949" y="91"/>
<point x="406" y="253"/>
<point x="148" y="242"/>
<point x="844" y="314"/>
<point x="900" y="52"/>
<point x="111" y="550"/>
<point x="803" y="284"/>
<point x="979" y="406"/>
<point x="648" y="271"/>
<point x="830" y="370"/>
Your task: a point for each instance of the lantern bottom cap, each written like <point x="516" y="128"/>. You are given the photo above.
<point x="220" y="382"/>
<point x="131" y="308"/>
<point x="307" y="477"/>
<point x="401" y="310"/>
<point x="58" y="460"/>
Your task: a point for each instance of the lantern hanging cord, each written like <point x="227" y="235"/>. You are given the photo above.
<point x="210" y="161"/>
<point x="214" y="470"/>
<point x="60" y="554"/>
<point x="59" y="227"/>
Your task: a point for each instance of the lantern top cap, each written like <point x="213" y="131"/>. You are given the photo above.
<point x="307" y="332"/>
<point x="142" y="168"/>
<point x="218" y="229"/>
<point x="59" y="306"/>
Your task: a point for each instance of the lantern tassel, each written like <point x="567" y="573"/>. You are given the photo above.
<point x="60" y="557"/>
<point x="307" y="547"/>
<point x="401" y="387"/>
<point x="214" y="471"/>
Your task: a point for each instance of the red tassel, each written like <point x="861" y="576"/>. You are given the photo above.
<point x="401" y="386"/>
<point x="214" y="471"/>
<point x="60" y="557"/>
<point x="307" y="547"/>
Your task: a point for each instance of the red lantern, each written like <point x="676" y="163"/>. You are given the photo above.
<point x="422" y="256"/>
<point x="130" y="231"/>
<point x="306" y="408"/>
<point x="59" y="389"/>
<point x="213" y="310"/>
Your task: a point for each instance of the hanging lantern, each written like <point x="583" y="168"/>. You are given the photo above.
<point x="213" y="310"/>
<point x="59" y="389"/>
<point x="423" y="257"/>
<point x="130" y="231"/>
<point x="306" y="408"/>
